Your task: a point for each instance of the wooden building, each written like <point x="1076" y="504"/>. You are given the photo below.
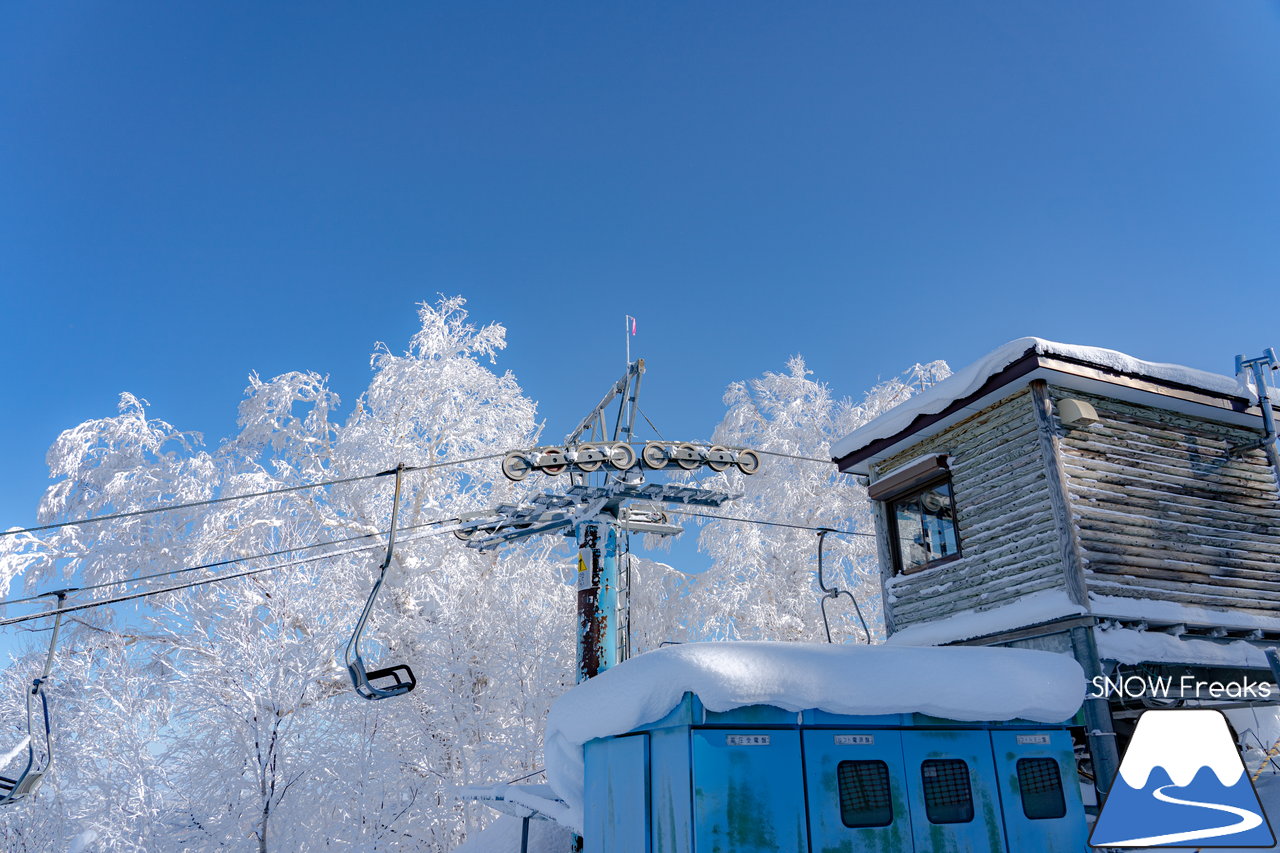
<point x="1080" y="500"/>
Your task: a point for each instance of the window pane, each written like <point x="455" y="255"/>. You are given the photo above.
<point x="947" y="796"/>
<point x="926" y="528"/>
<point x="1041" y="787"/>
<point x="864" y="793"/>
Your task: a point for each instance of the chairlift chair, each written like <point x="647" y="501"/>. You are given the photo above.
<point x="39" y="760"/>
<point x="401" y="676"/>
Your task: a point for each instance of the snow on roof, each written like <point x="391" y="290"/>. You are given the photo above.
<point x="1043" y="606"/>
<point x="958" y="683"/>
<point x="1129" y="646"/>
<point x="970" y="379"/>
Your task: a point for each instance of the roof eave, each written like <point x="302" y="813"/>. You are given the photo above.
<point x="1067" y="372"/>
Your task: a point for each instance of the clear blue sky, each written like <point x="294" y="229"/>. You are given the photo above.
<point x="189" y="192"/>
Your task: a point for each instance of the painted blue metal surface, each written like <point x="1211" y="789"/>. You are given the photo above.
<point x="617" y="794"/>
<point x="748" y="791"/>
<point x="1038" y="833"/>
<point x="984" y="830"/>
<point x="824" y="752"/>
<point x="670" y="794"/>
<point x="761" y="778"/>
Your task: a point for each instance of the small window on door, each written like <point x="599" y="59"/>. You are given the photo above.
<point x="948" y="798"/>
<point x="1040" y="783"/>
<point x="865" y="799"/>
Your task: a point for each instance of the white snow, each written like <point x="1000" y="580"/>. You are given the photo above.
<point x="15" y="752"/>
<point x="1125" y="645"/>
<point x="1031" y="609"/>
<point x="971" y="378"/>
<point x="503" y="836"/>
<point x="516" y="800"/>
<point x="1173" y="611"/>
<point x="961" y="683"/>
<point x="80" y="843"/>
<point x="1203" y="741"/>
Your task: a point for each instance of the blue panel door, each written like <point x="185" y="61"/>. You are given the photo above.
<point x="951" y="782"/>
<point x="857" y="792"/>
<point x="616" y="813"/>
<point x="1040" y="790"/>
<point x="748" y="791"/>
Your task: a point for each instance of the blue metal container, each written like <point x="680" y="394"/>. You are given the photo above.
<point x="761" y="779"/>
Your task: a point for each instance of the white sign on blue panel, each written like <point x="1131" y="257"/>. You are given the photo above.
<point x="746" y="740"/>
<point x="855" y="740"/>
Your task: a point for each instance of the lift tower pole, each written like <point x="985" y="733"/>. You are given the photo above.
<point x="599" y="621"/>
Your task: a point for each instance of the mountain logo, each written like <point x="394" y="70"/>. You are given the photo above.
<point x="1182" y="783"/>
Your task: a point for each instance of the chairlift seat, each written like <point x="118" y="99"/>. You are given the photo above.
<point x="403" y="680"/>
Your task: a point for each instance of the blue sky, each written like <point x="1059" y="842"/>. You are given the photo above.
<point x="190" y="192"/>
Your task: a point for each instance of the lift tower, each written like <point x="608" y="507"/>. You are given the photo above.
<point x="608" y="497"/>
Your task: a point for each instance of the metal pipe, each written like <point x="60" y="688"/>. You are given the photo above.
<point x="1268" y="416"/>
<point x="53" y="641"/>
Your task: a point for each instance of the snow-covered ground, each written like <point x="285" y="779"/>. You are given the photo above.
<point x="504" y="836"/>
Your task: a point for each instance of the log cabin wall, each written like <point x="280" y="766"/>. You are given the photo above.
<point x="1164" y="511"/>
<point x="1010" y="543"/>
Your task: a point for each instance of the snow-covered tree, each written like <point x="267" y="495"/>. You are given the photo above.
<point x="221" y="717"/>
<point x="762" y="582"/>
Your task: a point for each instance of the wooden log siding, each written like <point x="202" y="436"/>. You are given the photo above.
<point x="1009" y="543"/>
<point x="1164" y="511"/>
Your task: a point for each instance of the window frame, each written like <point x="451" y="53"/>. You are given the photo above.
<point x="907" y="481"/>
<point x="888" y="779"/>
<point x="891" y="517"/>
<point x="968" y="783"/>
<point x="1061" y="808"/>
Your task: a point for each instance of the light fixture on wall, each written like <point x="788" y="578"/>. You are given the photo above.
<point x="1076" y="413"/>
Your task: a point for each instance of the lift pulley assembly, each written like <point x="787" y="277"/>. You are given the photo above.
<point x="656" y="455"/>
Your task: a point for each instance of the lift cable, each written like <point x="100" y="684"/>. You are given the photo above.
<point x="205" y="581"/>
<point x="230" y="561"/>
<point x="211" y="501"/>
<point x="770" y="523"/>
<point x="656" y="431"/>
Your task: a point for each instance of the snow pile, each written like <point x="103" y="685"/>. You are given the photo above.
<point x="1129" y="646"/>
<point x="504" y="835"/>
<point x="1125" y="607"/>
<point x="515" y="800"/>
<point x="962" y="683"/>
<point x="969" y="380"/>
<point x="1043" y="606"/>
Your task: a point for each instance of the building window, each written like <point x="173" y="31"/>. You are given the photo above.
<point x="1040" y="784"/>
<point x="864" y="793"/>
<point x="923" y="527"/>
<point x="947" y="795"/>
